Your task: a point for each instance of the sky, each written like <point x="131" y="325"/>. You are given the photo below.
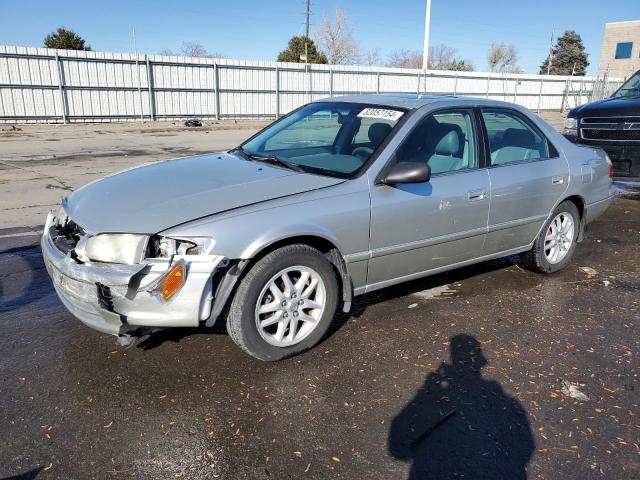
<point x="258" y="30"/>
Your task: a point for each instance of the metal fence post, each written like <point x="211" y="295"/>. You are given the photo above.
<point x="152" y="102"/>
<point x="418" y="88"/>
<point x="605" y="84"/>
<point x="309" y="85"/>
<point x="216" y="89"/>
<point x="540" y="93"/>
<point x="330" y="81"/>
<point x="565" y="94"/>
<point x="515" y="90"/>
<point x="139" y="88"/>
<point x="277" y="92"/>
<point x="488" y="82"/>
<point x="455" y="85"/>
<point x="378" y="81"/>
<point x="63" y="92"/>
<point x="580" y="94"/>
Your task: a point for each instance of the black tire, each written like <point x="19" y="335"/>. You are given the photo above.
<point x="241" y="323"/>
<point x="535" y="259"/>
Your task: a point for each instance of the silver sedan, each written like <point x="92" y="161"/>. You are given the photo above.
<point x="341" y="197"/>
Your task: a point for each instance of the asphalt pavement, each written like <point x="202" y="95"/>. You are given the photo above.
<point x="373" y="400"/>
<point x="490" y="371"/>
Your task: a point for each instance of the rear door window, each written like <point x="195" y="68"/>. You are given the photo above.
<point x="512" y="138"/>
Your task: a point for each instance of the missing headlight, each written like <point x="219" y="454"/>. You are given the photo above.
<point x="164" y="247"/>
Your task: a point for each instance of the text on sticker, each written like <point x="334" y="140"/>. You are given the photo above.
<point x="382" y="113"/>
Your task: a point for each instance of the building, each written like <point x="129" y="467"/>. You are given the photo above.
<point x="620" y="52"/>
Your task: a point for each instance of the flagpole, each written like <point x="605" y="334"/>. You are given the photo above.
<point x="425" y="50"/>
<point x="550" y="52"/>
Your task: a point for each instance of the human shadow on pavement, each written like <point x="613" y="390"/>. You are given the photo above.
<point x="30" y="475"/>
<point x="461" y="426"/>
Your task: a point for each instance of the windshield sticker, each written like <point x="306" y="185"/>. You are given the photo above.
<point x="381" y="113"/>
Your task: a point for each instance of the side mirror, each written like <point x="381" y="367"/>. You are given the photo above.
<point x="407" y="172"/>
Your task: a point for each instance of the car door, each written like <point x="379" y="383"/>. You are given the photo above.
<point x="422" y="227"/>
<point x="527" y="175"/>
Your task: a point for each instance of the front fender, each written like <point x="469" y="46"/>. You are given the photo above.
<point x="283" y="232"/>
<point x="339" y="214"/>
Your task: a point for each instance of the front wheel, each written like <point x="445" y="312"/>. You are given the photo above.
<point x="285" y="303"/>
<point x="556" y="243"/>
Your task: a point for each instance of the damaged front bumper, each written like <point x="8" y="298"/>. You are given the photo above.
<point x="117" y="299"/>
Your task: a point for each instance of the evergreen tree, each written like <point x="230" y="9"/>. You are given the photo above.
<point x="295" y="51"/>
<point x="66" y="40"/>
<point x="567" y="52"/>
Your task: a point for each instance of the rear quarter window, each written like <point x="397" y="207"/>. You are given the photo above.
<point x="513" y="138"/>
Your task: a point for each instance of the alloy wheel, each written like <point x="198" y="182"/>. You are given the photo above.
<point x="290" y="306"/>
<point x="559" y="238"/>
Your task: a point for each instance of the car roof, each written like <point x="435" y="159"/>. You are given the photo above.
<point x="413" y="101"/>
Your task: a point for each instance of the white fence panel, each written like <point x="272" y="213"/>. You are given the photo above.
<point x="43" y="85"/>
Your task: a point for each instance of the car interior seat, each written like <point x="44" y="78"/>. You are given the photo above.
<point x="377" y="133"/>
<point x="517" y="144"/>
<point x="447" y="155"/>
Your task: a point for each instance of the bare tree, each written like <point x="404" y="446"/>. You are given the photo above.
<point x="441" y="57"/>
<point x="503" y="58"/>
<point x="191" y="49"/>
<point x="335" y="38"/>
<point x="371" y="58"/>
<point x="405" y="59"/>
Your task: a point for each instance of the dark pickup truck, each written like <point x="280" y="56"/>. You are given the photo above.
<point x="612" y="124"/>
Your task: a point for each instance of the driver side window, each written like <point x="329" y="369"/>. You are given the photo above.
<point x="446" y="140"/>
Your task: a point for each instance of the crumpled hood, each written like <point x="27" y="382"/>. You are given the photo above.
<point x="608" y="107"/>
<point x="152" y="198"/>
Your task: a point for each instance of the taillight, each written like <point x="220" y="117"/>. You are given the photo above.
<point x="606" y="157"/>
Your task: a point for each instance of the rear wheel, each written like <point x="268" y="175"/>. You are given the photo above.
<point x="285" y="303"/>
<point x="556" y="243"/>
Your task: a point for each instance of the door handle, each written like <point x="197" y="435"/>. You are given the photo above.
<point x="475" y="195"/>
<point x="557" y="180"/>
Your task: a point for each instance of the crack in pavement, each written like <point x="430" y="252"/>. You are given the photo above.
<point x="61" y="182"/>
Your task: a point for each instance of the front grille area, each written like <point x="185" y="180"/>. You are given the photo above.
<point x="606" y="134"/>
<point x="65" y="235"/>
<point x="612" y="120"/>
<point x="105" y="300"/>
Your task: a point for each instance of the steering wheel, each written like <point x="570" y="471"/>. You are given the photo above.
<point x="362" y="152"/>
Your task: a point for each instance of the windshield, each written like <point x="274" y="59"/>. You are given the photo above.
<point x="331" y="138"/>
<point x="630" y="88"/>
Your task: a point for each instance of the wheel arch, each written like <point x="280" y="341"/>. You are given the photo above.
<point x="580" y="204"/>
<point x="227" y="281"/>
<point x="323" y="244"/>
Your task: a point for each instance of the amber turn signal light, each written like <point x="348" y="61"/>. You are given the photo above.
<point x="172" y="281"/>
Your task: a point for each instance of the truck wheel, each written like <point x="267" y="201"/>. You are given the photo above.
<point x="556" y="243"/>
<point x="285" y="303"/>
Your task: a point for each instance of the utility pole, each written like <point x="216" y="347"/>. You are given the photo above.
<point x="550" y="52"/>
<point x="425" y="48"/>
<point x="306" y="38"/>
